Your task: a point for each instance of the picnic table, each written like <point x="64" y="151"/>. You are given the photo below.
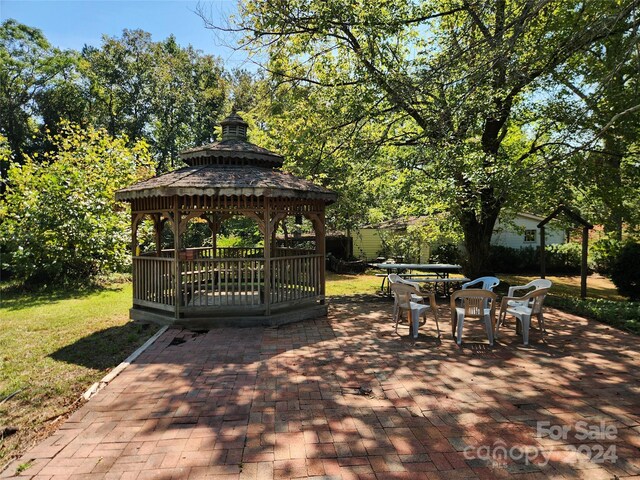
<point x="437" y="274"/>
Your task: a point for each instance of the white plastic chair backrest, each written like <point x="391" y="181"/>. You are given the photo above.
<point x="474" y="301"/>
<point x="402" y="293"/>
<point x="395" y="278"/>
<point x="538" y="297"/>
<point x="488" y="283"/>
<point x="536" y="284"/>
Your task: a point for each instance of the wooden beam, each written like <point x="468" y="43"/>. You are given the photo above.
<point x="267" y="256"/>
<point x="158" y="225"/>
<point x="176" y="256"/>
<point x="543" y="267"/>
<point x="583" y="266"/>
<point x="569" y="213"/>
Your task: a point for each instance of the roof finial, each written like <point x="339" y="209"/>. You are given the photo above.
<point x="234" y="127"/>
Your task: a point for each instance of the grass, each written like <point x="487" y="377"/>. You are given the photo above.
<point x="54" y="345"/>
<point x="346" y="285"/>
<point x="598" y="287"/>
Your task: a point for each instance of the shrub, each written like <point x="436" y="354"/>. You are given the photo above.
<point x="625" y="315"/>
<point x="446" y="253"/>
<point x="59" y="220"/>
<point x="560" y="259"/>
<point x="563" y="258"/>
<point x="514" y="260"/>
<point x="625" y="271"/>
<point x="603" y="253"/>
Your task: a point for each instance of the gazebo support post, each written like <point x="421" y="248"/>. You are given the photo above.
<point x="267" y="256"/>
<point x="176" y="255"/>
<point x="583" y="266"/>
<point x="157" y="230"/>
<point x="543" y="267"/>
<point x="321" y="250"/>
<point x="134" y="234"/>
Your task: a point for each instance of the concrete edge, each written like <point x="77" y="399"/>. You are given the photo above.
<point x="96" y="387"/>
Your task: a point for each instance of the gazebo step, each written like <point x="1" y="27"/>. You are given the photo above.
<point x="292" y="315"/>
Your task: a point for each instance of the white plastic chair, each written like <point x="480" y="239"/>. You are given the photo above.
<point x="476" y="303"/>
<point x="488" y="283"/>
<point x="523" y="309"/>
<point x="394" y="278"/>
<point x="404" y="295"/>
<point x="536" y="284"/>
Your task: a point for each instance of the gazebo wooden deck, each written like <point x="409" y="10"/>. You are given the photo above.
<point x="214" y="286"/>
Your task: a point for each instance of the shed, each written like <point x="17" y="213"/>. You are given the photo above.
<point x="214" y="286"/>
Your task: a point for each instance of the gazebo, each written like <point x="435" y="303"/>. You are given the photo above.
<point x="207" y="285"/>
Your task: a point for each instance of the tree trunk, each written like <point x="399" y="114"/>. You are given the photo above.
<point x="614" y="152"/>
<point x="477" y="240"/>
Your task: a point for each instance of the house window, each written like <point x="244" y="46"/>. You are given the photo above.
<point x="529" y="236"/>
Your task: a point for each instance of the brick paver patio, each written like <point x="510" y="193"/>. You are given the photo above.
<point x="344" y="397"/>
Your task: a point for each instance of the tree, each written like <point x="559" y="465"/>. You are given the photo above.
<point x="31" y="70"/>
<point x="457" y="84"/>
<point x="169" y="95"/>
<point x="599" y="100"/>
<point x="120" y="77"/>
<point x="58" y="220"/>
<point x="188" y="96"/>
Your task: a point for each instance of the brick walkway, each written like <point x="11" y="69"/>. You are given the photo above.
<point x="345" y="397"/>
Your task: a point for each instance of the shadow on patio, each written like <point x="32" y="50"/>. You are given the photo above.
<point x="345" y="397"/>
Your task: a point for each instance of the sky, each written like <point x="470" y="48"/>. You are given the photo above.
<point x="71" y="24"/>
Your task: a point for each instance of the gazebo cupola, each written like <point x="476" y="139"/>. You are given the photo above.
<point x="206" y="285"/>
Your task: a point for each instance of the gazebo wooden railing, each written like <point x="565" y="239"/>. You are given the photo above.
<point x="210" y="285"/>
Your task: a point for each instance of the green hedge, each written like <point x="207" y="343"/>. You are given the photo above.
<point x="560" y="259"/>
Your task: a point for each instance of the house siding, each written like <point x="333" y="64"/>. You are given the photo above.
<point x="367" y="245"/>
<point x="507" y="236"/>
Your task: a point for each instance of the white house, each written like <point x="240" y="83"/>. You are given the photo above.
<point x="522" y="231"/>
<point x="518" y="232"/>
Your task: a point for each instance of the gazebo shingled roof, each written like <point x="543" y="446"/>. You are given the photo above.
<point x="223" y="180"/>
<point x="232" y="166"/>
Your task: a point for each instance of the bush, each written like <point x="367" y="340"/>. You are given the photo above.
<point x="560" y="259"/>
<point x="625" y="271"/>
<point x="446" y="253"/>
<point x="59" y="220"/>
<point x="603" y="253"/>
<point x="514" y="260"/>
<point x="563" y="258"/>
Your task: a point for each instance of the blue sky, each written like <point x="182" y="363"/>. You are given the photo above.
<point x="74" y="23"/>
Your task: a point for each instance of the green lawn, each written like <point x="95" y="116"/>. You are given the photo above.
<point x="597" y="287"/>
<point x="54" y="346"/>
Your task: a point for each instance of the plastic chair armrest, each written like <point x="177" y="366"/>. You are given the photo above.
<point x="512" y="290"/>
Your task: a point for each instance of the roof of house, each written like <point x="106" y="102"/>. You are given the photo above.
<point x="395" y="223"/>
